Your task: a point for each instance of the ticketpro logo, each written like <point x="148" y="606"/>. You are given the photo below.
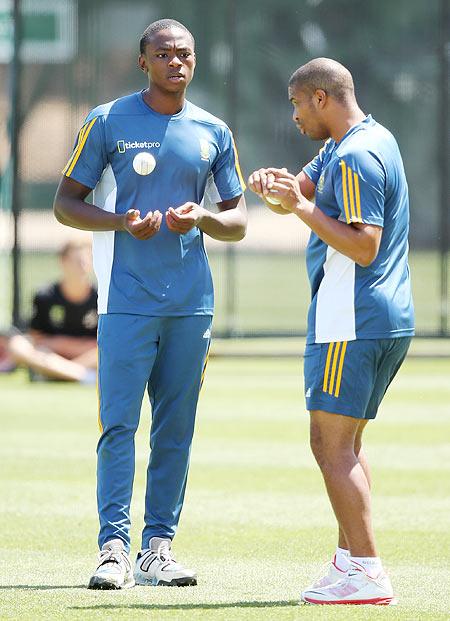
<point x="123" y="145"/>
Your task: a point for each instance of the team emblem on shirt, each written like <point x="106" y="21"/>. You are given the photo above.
<point x="90" y="320"/>
<point x="204" y="149"/>
<point x="144" y="163"/>
<point x="57" y="314"/>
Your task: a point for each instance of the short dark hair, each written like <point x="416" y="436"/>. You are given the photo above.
<point x="161" y="24"/>
<point x="325" y="74"/>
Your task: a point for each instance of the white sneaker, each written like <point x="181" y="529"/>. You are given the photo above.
<point x="332" y="575"/>
<point x="155" y="566"/>
<point x="114" y="568"/>
<point x="356" y="588"/>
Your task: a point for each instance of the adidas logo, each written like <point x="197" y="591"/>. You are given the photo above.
<point x="207" y="334"/>
<point x="308" y="392"/>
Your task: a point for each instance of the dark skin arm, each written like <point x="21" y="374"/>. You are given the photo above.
<point x="71" y="209"/>
<point x="230" y="224"/>
<point x="358" y="241"/>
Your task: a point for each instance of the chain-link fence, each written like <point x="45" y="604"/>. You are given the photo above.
<point x="76" y="54"/>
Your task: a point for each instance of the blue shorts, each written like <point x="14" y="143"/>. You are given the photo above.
<point x="351" y="377"/>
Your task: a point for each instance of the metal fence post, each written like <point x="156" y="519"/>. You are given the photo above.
<point x="230" y="256"/>
<point x="444" y="157"/>
<point x="14" y="131"/>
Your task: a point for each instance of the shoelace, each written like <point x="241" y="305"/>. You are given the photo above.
<point x="112" y="556"/>
<point x="164" y="553"/>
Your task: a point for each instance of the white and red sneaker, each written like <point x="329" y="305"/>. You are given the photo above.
<point x="355" y="588"/>
<point x="332" y="575"/>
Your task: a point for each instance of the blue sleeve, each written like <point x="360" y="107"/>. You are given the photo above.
<point x="226" y="170"/>
<point x="88" y="159"/>
<point x="313" y="170"/>
<point x="359" y="181"/>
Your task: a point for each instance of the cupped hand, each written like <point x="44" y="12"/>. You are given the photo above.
<point x="184" y="218"/>
<point x="142" y="228"/>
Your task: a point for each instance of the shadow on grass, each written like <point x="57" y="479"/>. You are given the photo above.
<point x="255" y="604"/>
<point x="40" y="587"/>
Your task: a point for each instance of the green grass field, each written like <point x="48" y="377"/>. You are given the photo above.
<point x="256" y="523"/>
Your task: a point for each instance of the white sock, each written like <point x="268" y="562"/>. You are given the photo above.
<point x="342" y="559"/>
<point x="371" y="564"/>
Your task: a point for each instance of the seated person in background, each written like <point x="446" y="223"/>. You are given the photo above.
<point x="61" y="340"/>
<point x="7" y="364"/>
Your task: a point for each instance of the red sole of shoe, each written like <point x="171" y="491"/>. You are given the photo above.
<point x="377" y="601"/>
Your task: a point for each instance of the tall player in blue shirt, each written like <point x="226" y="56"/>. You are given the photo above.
<point x="361" y="319"/>
<point x="150" y="158"/>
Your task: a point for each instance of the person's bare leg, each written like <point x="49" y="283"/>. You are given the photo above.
<point x="88" y="359"/>
<point x="342" y="541"/>
<point x="69" y="347"/>
<point x="49" y="364"/>
<point x="333" y="439"/>
<point x="361" y="455"/>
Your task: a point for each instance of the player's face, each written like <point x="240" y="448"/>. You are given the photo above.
<point x="307" y="114"/>
<point x="169" y="59"/>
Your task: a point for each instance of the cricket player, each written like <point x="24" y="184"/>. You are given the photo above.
<point x="149" y="158"/>
<point x="361" y="319"/>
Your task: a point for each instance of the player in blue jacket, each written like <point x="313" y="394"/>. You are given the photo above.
<point x="361" y="318"/>
<point x="149" y="159"/>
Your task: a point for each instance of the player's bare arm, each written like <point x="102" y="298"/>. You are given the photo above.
<point x="229" y="224"/>
<point x="360" y="242"/>
<point x="71" y="209"/>
<point x="259" y="179"/>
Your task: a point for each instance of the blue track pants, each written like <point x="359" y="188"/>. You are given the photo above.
<point x="166" y="356"/>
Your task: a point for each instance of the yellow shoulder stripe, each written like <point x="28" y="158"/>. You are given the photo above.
<point x="344" y="190"/>
<point x="80" y="138"/>
<point x="350" y="194"/>
<point x="358" y="200"/>
<point x="238" y="167"/>
<point x="84" y="133"/>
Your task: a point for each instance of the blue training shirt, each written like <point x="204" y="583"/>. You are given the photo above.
<point x="135" y="158"/>
<point x="361" y="179"/>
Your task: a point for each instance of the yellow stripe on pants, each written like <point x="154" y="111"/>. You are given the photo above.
<point x="333" y="368"/>
<point x="341" y="366"/>
<point x="327" y="367"/>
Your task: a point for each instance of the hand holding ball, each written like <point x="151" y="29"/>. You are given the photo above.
<point x="271" y="200"/>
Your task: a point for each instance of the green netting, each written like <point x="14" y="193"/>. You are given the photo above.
<point x="245" y="55"/>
